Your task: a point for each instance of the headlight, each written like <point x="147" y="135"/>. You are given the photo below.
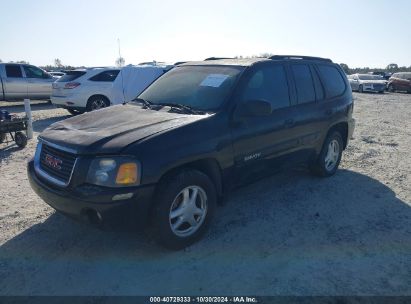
<point x="114" y="172"/>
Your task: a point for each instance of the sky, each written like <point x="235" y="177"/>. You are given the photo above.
<point x="360" y="33"/>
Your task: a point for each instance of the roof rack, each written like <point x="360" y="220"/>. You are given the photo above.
<point x="217" y="58"/>
<point x="287" y="57"/>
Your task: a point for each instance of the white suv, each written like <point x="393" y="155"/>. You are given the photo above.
<point x="90" y="89"/>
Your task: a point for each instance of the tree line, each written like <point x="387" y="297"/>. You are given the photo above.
<point x="391" y="68"/>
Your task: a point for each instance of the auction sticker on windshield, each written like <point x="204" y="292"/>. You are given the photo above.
<point x="214" y="80"/>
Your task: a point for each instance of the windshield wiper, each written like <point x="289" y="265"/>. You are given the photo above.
<point x="179" y="106"/>
<point x="146" y="103"/>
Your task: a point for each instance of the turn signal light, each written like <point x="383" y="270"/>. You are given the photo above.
<point x="127" y="174"/>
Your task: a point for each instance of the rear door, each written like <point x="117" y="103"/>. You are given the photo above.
<point x="39" y="83"/>
<point x="259" y="140"/>
<point x="307" y="111"/>
<point x="15" y="85"/>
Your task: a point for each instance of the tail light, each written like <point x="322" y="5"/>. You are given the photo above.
<point x="71" y="85"/>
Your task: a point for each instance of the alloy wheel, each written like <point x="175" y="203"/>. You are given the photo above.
<point x="188" y="211"/>
<point x="333" y="153"/>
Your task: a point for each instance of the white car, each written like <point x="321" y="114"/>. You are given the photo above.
<point x="367" y="83"/>
<point x="84" y="90"/>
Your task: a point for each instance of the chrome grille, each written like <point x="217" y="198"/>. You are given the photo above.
<point x="56" y="163"/>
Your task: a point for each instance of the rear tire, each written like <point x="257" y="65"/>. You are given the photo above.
<point x="184" y="207"/>
<point x="330" y="156"/>
<point x="74" y="112"/>
<point x="20" y="139"/>
<point x="97" y="102"/>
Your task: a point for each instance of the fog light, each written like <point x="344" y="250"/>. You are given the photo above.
<point x="119" y="197"/>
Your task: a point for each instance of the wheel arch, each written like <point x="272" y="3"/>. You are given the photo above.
<point x="208" y="166"/>
<point x="342" y="128"/>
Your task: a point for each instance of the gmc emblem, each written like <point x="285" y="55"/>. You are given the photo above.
<point x="53" y="162"/>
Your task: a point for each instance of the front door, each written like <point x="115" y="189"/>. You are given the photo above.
<point x="257" y="140"/>
<point x="39" y="83"/>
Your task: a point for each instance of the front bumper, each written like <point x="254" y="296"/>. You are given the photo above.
<point x="95" y="205"/>
<point x="374" y="88"/>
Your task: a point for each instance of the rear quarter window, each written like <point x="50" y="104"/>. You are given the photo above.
<point x="332" y="79"/>
<point x="107" y="76"/>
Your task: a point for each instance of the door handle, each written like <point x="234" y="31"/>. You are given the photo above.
<point x="289" y="123"/>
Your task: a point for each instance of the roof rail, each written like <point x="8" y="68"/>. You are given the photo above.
<point x="217" y="58"/>
<point x="286" y="57"/>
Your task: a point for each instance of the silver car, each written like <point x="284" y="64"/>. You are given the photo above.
<point x="19" y="81"/>
<point x="367" y="83"/>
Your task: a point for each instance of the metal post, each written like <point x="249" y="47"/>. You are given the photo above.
<point x="27" y="108"/>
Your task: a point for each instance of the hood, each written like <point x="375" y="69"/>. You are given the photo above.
<point x="109" y="130"/>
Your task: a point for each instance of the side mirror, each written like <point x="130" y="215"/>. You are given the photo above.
<point x="256" y="107"/>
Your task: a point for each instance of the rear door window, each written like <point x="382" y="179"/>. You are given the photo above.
<point x="268" y="83"/>
<point x="319" y="90"/>
<point x="108" y="76"/>
<point x="332" y="79"/>
<point x="70" y="76"/>
<point x="304" y="83"/>
<point x="13" y="71"/>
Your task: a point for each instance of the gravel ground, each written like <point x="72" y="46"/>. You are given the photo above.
<point x="290" y="234"/>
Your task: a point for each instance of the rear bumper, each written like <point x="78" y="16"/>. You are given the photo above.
<point x="95" y="205"/>
<point x="69" y="102"/>
<point x="351" y="127"/>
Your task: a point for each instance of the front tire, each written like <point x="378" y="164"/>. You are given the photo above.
<point x="330" y="156"/>
<point x="2" y="137"/>
<point x="391" y="88"/>
<point x="183" y="209"/>
<point x="360" y="89"/>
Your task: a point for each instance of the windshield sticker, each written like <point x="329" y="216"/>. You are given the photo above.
<point x="213" y="80"/>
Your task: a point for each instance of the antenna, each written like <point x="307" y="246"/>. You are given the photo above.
<point x="121" y="70"/>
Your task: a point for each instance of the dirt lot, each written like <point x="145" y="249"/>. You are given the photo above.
<point x="290" y="234"/>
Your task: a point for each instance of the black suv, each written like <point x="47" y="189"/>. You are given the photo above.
<point x="201" y="129"/>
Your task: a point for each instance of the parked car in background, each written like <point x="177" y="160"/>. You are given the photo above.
<point x="85" y="90"/>
<point x="367" y="83"/>
<point x="400" y="82"/>
<point x="384" y="75"/>
<point x="196" y="133"/>
<point x="56" y="74"/>
<point x="19" y="81"/>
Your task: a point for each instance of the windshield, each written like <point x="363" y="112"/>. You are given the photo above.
<point x="199" y="87"/>
<point x="370" y="77"/>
